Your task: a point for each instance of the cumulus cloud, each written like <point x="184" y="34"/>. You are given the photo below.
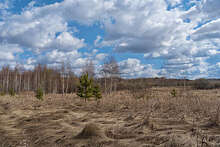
<point x="65" y="41"/>
<point x="133" y="67"/>
<point x="43" y="32"/>
<point x="8" y="51"/>
<point x="83" y="11"/>
<point x="142" y="26"/>
<point x="56" y="56"/>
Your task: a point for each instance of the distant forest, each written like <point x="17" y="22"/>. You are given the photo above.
<point x="63" y="79"/>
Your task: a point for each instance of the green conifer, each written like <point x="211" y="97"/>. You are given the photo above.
<point x="173" y="92"/>
<point x="85" y="89"/>
<point x="96" y="92"/>
<point x="39" y="94"/>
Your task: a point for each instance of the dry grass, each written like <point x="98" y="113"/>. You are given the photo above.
<point x="120" y="119"/>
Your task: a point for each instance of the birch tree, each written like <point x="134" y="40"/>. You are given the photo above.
<point x="110" y="70"/>
<point x="89" y="69"/>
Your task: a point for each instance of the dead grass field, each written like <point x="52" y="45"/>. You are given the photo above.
<point x="118" y="120"/>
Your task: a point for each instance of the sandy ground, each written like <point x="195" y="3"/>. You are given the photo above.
<point x="65" y="121"/>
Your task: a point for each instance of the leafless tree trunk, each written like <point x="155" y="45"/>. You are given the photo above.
<point x="110" y="70"/>
<point x="7" y="77"/>
<point x="63" y="77"/>
<point x="105" y="86"/>
<point x="89" y="69"/>
<point x="28" y="83"/>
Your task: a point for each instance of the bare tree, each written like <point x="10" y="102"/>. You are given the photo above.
<point x="63" y="74"/>
<point x="68" y="75"/>
<point x="110" y="70"/>
<point x="5" y="75"/>
<point x="89" y="68"/>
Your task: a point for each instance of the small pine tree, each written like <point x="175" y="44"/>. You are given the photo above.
<point x="85" y="89"/>
<point x="96" y="92"/>
<point x="173" y="92"/>
<point x="11" y="92"/>
<point x="39" y="94"/>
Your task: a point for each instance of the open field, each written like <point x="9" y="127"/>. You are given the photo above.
<point x="118" y="120"/>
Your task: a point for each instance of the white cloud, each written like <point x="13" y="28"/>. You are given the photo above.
<point x="211" y="8"/>
<point x="194" y="67"/>
<point x="208" y="31"/>
<point x="132" y="67"/>
<point x="101" y="56"/>
<point x="8" y="51"/>
<point x="9" y="54"/>
<point x="97" y="41"/>
<point x="144" y="26"/>
<point x="173" y="2"/>
<point x="65" y="41"/>
<point x="57" y="56"/>
<point x="6" y="56"/>
<point x="29" y="32"/>
<point x="37" y="31"/>
<point x="83" y="11"/>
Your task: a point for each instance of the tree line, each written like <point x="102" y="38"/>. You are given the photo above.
<point x="51" y="80"/>
<point x="60" y="79"/>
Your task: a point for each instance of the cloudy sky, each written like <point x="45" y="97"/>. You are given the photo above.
<point x="148" y="38"/>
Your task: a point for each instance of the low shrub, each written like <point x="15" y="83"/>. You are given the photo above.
<point x="173" y="92"/>
<point x="39" y="94"/>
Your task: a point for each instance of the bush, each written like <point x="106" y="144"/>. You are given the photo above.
<point x="39" y="94"/>
<point x="173" y="92"/>
<point x="11" y="92"/>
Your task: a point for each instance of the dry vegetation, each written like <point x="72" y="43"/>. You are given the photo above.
<point x="118" y="120"/>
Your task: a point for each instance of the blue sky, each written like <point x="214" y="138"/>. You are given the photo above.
<point x="148" y="38"/>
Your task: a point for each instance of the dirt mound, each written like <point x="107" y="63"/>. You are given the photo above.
<point x="90" y="131"/>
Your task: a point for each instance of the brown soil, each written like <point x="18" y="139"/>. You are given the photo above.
<point x="119" y="120"/>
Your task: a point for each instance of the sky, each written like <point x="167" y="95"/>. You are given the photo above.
<point x="148" y="38"/>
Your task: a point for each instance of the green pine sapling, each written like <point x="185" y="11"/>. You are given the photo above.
<point x="85" y="88"/>
<point x="173" y="92"/>
<point x="39" y="94"/>
<point x="96" y="92"/>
